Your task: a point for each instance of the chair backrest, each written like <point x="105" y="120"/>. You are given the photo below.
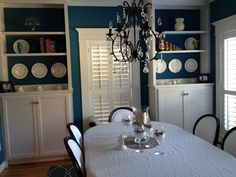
<point x="117" y="114"/>
<point x="228" y="143"/>
<point x="76" y="155"/>
<point x="207" y="127"/>
<point x="76" y="133"/>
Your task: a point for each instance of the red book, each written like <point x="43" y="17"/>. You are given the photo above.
<point x="41" y="43"/>
<point x="48" y="46"/>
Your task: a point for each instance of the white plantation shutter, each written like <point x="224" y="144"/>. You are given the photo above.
<point x="111" y="81"/>
<point x="100" y="81"/>
<point x="229" y="81"/>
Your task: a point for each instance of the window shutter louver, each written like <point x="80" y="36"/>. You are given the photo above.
<point x="111" y="82"/>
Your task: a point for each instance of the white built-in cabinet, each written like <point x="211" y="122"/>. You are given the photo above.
<point x="36" y="115"/>
<point x="182" y="105"/>
<point x="35" y="125"/>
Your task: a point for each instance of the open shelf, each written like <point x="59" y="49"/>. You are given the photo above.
<point x="183" y="51"/>
<point x="184" y="32"/>
<point x="32" y="33"/>
<point x="34" y="54"/>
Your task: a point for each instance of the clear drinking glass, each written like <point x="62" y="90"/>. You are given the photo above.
<point x="149" y="130"/>
<point x="127" y="121"/>
<point x="139" y="135"/>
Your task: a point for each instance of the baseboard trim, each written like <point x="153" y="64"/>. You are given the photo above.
<point x="36" y="160"/>
<point x="3" y="165"/>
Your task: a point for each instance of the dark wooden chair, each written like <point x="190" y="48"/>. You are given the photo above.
<point x="75" y="132"/>
<point x="76" y="155"/>
<point x="207" y="127"/>
<point x="117" y="114"/>
<point x="228" y="143"/>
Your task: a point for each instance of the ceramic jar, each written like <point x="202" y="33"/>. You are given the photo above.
<point x="179" y="24"/>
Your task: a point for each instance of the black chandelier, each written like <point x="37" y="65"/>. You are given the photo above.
<point x="132" y="38"/>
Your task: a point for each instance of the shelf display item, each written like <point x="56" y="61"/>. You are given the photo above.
<point x="58" y="70"/>
<point x="179" y="24"/>
<point x="191" y="65"/>
<point x="161" y="66"/>
<point x="19" y="71"/>
<point x="175" y="65"/>
<point x="39" y="70"/>
<point x="21" y="46"/>
<point x="191" y="43"/>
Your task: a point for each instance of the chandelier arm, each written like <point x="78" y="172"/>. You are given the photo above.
<point x="112" y="49"/>
<point x="140" y="3"/>
<point x="126" y="4"/>
<point x="153" y="32"/>
<point x="130" y="58"/>
<point x="148" y="4"/>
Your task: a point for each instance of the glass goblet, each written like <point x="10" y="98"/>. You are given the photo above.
<point x="159" y="136"/>
<point x="139" y="135"/>
<point x="127" y="121"/>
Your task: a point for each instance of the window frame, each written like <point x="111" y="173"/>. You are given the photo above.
<point x="99" y="34"/>
<point x="223" y="28"/>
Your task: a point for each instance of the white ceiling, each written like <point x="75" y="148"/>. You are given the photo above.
<point x="154" y="2"/>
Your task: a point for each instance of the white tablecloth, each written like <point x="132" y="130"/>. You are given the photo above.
<point x="185" y="155"/>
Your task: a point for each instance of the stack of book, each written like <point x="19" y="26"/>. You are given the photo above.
<point x="47" y="45"/>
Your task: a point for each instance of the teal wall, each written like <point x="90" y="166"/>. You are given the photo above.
<point x="84" y="17"/>
<point x="221" y="9"/>
<point x="218" y="10"/>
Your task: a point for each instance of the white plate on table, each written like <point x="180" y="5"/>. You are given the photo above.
<point x="191" y="65"/>
<point x="58" y="70"/>
<point x="161" y="66"/>
<point x="39" y="70"/>
<point x="19" y="71"/>
<point x="175" y="65"/>
<point x="189" y="44"/>
<point x="25" y="47"/>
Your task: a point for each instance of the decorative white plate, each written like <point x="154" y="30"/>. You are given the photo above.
<point x="21" y="46"/>
<point x="189" y="44"/>
<point x="191" y="65"/>
<point x="39" y="70"/>
<point x="161" y="66"/>
<point x="19" y="71"/>
<point x="175" y="65"/>
<point x="58" y="70"/>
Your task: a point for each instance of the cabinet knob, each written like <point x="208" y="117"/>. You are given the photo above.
<point x="185" y="94"/>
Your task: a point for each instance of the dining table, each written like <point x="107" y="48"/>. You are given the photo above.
<point x="183" y="154"/>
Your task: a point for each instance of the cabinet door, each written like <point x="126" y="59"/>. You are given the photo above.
<point x="198" y="102"/>
<point x="170" y="107"/>
<point x="20" y="127"/>
<point x="53" y="117"/>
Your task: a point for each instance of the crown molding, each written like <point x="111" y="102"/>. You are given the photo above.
<point x="156" y="3"/>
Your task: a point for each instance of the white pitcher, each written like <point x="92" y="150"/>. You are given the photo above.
<point x="179" y="25"/>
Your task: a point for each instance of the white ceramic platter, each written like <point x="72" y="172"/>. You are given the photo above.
<point x="58" y="70"/>
<point x="161" y="66"/>
<point x="175" y="65"/>
<point x="19" y="71"/>
<point x="190" y="65"/>
<point x="189" y="44"/>
<point x="39" y="70"/>
<point x="21" y="46"/>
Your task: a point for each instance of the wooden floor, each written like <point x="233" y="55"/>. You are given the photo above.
<point x="31" y="170"/>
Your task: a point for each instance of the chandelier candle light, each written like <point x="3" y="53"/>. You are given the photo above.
<point x="132" y="38"/>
